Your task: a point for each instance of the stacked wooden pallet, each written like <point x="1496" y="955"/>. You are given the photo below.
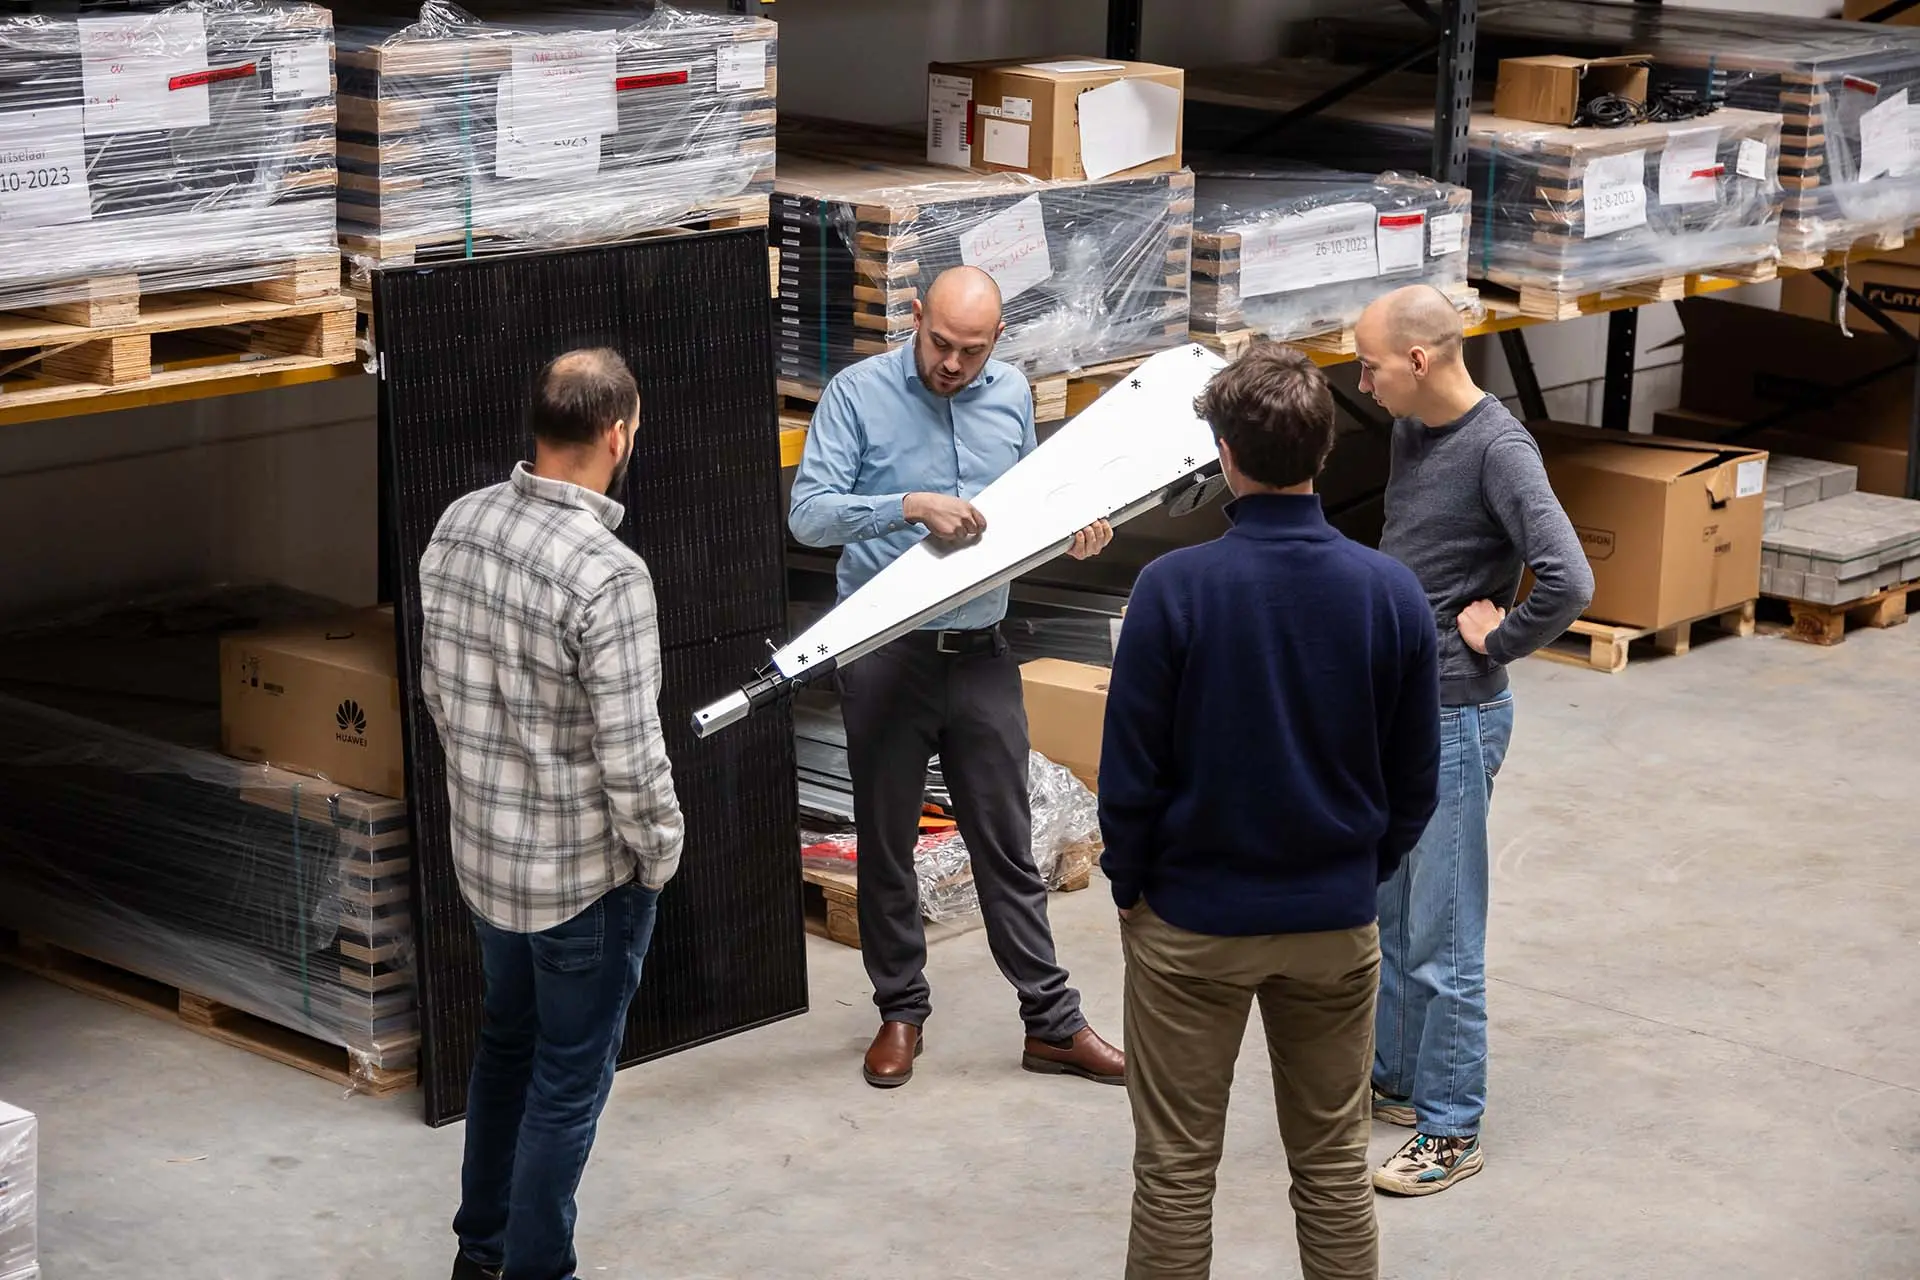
<point x="1559" y="214"/>
<point x="481" y="137"/>
<point x="116" y="335"/>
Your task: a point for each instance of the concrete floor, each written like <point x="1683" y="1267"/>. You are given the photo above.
<point x="1706" y="1058"/>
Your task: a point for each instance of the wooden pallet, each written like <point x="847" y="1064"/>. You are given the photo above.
<point x="1333" y="343"/>
<point x="115" y="336"/>
<point x="1828" y="624"/>
<point x="207" y="1017"/>
<point x="1879" y="241"/>
<point x="1607" y="646"/>
<point x="1516" y="296"/>
<point x="1055" y="398"/>
<point x="833" y="902"/>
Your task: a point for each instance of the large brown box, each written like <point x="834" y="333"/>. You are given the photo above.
<point x="1881" y="470"/>
<point x="321" y="699"/>
<point x="1027" y="116"/>
<point x="1891" y="283"/>
<point x="1067" y="713"/>
<point x="1671" y="528"/>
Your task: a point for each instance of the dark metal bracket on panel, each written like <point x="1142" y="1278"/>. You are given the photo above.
<point x="1453" y="90"/>
<point x="1623" y="348"/>
<point x="1123" y="29"/>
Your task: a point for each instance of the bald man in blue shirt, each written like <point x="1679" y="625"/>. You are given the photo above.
<point x="899" y="445"/>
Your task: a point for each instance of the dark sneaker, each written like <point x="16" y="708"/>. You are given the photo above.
<point x="465" y="1268"/>
<point x="1393" y="1110"/>
<point x="1428" y="1164"/>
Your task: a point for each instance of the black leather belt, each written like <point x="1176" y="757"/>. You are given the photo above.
<point x="955" y="644"/>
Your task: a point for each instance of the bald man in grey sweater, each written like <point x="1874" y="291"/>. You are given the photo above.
<point x="1468" y="508"/>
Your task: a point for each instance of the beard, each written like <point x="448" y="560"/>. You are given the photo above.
<point x="929" y="373"/>
<point x="619" y="480"/>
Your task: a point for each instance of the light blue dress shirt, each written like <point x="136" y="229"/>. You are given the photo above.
<point x="878" y="435"/>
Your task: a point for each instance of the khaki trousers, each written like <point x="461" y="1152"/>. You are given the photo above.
<point x="1187" y="999"/>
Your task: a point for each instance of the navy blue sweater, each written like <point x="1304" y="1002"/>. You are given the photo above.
<point x="1272" y="744"/>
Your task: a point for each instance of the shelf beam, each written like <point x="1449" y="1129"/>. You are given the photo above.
<point x="171" y="391"/>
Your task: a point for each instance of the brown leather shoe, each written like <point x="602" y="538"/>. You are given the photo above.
<point x="1086" y="1055"/>
<point x="889" y="1061"/>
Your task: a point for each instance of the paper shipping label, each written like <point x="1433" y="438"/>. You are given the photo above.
<point x="1885" y="138"/>
<point x="1752" y="161"/>
<point x="1613" y="194"/>
<point x="1750" y="478"/>
<point x="947" y="101"/>
<point x="300" y="71"/>
<point x="128" y="67"/>
<point x="1689" y="167"/>
<point x="562" y="88"/>
<point x="538" y="153"/>
<point x="1011" y="247"/>
<point x="43" y="168"/>
<point x="1402" y="241"/>
<point x="1004" y="142"/>
<point x="1307" y="249"/>
<point x="741" y="68"/>
<point x="1448" y="234"/>
<point x="1016" y="108"/>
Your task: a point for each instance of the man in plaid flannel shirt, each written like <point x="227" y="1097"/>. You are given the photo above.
<point x="541" y="668"/>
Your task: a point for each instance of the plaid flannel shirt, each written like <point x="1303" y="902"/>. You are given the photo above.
<point x="540" y="665"/>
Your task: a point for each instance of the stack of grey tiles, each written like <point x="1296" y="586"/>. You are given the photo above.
<point x="1825" y="543"/>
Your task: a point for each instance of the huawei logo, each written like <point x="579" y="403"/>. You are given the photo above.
<point x="352" y="723"/>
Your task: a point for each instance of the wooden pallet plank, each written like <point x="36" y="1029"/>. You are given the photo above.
<point x="1828" y="624"/>
<point x="1607" y="647"/>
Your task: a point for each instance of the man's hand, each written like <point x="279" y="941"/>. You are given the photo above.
<point x="1091" y="541"/>
<point x="953" y="520"/>
<point x="1478" y="621"/>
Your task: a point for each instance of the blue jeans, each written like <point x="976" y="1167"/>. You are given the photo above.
<point x="555" y="1012"/>
<point x="1430" y="1028"/>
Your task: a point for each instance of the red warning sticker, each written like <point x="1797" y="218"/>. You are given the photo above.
<point x="198" y="78"/>
<point x="653" y="80"/>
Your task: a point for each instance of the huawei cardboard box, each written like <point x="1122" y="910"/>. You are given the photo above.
<point x="1067" y="713"/>
<point x="1056" y="118"/>
<point x="1672" y="528"/>
<point x="321" y="698"/>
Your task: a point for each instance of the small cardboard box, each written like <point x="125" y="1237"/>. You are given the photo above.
<point x="321" y="698"/>
<point x="1057" y="118"/>
<point x="1672" y="528"/>
<point x="1067" y="713"/>
<point x="19" y="1191"/>
<point x="1551" y="89"/>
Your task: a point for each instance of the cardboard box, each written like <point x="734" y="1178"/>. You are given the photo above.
<point x="1064" y="118"/>
<point x="1551" y="89"/>
<point x="1882" y="470"/>
<point x="19" y="1191"/>
<point x="1892" y="286"/>
<point x="1746" y="364"/>
<point x="1067" y="713"/>
<point x="321" y="699"/>
<point x="1672" y="528"/>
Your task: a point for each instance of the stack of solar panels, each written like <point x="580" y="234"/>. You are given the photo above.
<point x="159" y="148"/>
<point x="820" y="754"/>
<point x="1842" y="88"/>
<point x="462" y="346"/>
<point x="1090" y="272"/>
<point x="125" y="837"/>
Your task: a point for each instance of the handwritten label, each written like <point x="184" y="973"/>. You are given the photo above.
<point x="1301" y="250"/>
<point x="1448" y="234"/>
<point x="304" y="70"/>
<point x="128" y="65"/>
<point x="1613" y="194"/>
<point x="562" y="88"/>
<point x="43" y="168"/>
<point x="538" y="154"/>
<point x="1011" y="247"/>
<point x="1884" y="138"/>
<point x="1689" y="167"/>
<point x="741" y="68"/>
<point x="1750" y="478"/>
<point x="1402" y="239"/>
<point x="947" y="99"/>
<point x="1752" y="160"/>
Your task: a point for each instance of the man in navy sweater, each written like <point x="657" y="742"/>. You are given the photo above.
<point x="1271" y="754"/>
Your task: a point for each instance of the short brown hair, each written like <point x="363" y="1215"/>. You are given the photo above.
<point x="580" y="395"/>
<point x="1273" y="408"/>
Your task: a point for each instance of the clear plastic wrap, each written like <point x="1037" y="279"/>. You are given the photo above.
<point x="1091" y="272"/>
<point x="461" y="137"/>
<point x="1066" y="844"/>
<point x="1845" y="184"/>
<point x="1557" y="210"/>
<point x="19" y="1193"/>
<point x="161" y="149"/>
<point x="1287" y="252"/>
<point x="126" y="839"/>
